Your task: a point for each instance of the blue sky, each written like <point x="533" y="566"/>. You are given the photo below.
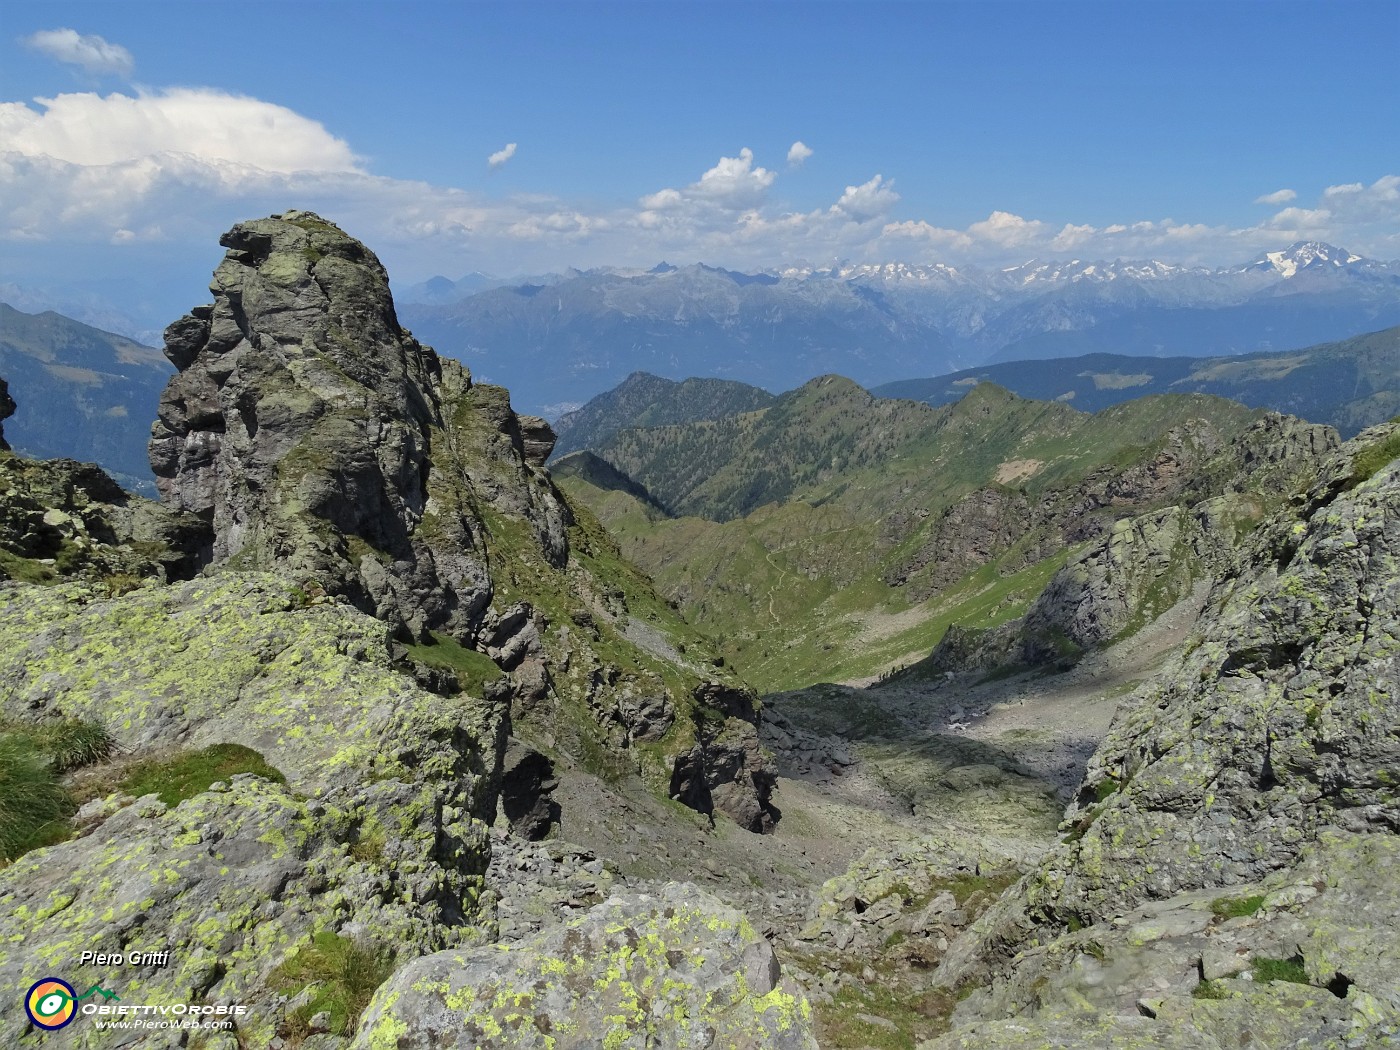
<point x="974" y="133"/>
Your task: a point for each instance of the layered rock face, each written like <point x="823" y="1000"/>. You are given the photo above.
<point x="317" y="436"/>
<point x="1144" y="565"/>
<point x="1241" y="815"/>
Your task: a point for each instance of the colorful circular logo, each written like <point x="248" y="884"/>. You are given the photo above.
<point x="51" y="1003"/>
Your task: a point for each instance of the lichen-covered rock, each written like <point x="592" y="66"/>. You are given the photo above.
<point x="1196" y="966"/>
<point x="376" y="837"/>
<point x="674" y="970"/>
<point x="1265" y="754"/>
<point x="232" y="882"/>
<point x="242" y="658"/>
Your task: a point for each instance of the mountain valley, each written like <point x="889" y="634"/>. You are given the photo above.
<point x="717" y="718"/>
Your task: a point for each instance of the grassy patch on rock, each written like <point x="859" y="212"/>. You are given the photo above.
<point x="1236" y="907"/>
<point x="338" y="976"/>
<point x="1291" y="970"/>
<point x="186" y="775"/>
<point x="473" y="669"/>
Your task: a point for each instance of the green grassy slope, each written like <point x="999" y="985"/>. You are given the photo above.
<point x="833" y="535"/>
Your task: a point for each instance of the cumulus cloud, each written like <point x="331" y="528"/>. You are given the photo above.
<point x="798" y="153"/>
<point x="90" y="53"/>
<point x="734" y="184"/>
<point x="501" y="155"/>
<point x="88" y="129"/>
<point x="1277" y="197"/>
<point x="870" y="200"/>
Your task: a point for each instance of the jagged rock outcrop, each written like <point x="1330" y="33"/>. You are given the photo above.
<point x="671" y="971"/>
<point x="314" y="434"/>
<point x="7" y="409"/>
<point x="1262" y="762"/>
<point x="319" y="439"/>
<point x="1144" y="565"/>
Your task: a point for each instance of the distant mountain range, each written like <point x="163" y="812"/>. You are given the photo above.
<point x="558" y="340"/>
<point x="82" y="393"/>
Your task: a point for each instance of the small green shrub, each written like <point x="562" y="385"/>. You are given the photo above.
<point x="1266" y="969"/>
<point x="1235" y="907"/>
<point x="344" y="975"/>
<point x="186" y="775"/>
<point x="1106" y="789"/>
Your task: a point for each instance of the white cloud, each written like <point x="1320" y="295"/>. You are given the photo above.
<point x="501" y="155"/>
<point x="798" y="153"/>
<point x="179" y="166"/>
<point x="89" y="129"/>
<point x="734" y="182"/>
<point x="870" y="200"/>
<point x="1277" y="197"/>
<point x="90" y="53"/>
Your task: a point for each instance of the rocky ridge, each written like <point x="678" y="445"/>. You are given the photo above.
<point x="1254" y="779"/>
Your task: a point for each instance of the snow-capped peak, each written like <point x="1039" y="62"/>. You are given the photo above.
<point x="1304" y="255"/>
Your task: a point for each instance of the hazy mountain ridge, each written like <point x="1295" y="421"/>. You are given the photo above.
<point x="83" y="393"/>
<point x="1350" y="385"/>
<point x="558" y="337"/>
<point x="644" y="400"/>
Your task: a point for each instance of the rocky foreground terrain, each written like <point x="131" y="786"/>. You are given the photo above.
<point x="378" y="736"/>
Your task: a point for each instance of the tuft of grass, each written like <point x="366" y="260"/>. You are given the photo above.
<point x="1291" y="970"/>
<point x="118" y="583"/>
<point x="343" y="974"/>
<point x="369" y="844"/>
<point x="34" y="805"/>
<point x="34" y="808"/>
<point x="1235" y="907"/>
<point x="73" y="743"/>
<point x="1106" y="789"/>
<point x="1209" y="990"/>
<point x="186" y="775"/>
